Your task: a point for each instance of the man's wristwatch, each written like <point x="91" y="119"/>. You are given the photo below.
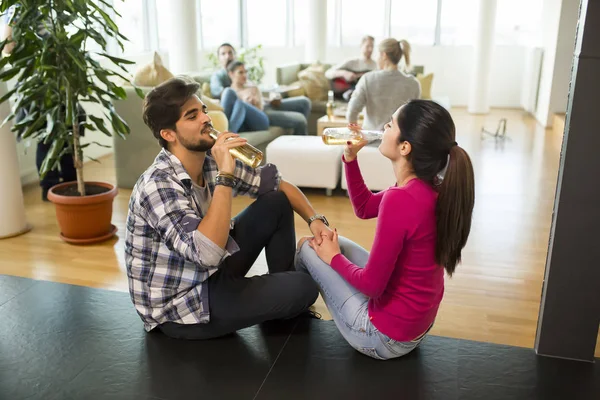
<point x="318" y="216"/>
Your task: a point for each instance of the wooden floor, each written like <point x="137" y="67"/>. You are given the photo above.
<point x="494" y="295"/>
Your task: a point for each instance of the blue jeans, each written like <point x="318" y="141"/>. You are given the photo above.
<point x="348" y="306"/>
<point x="243" y="117"/>
<point x="292" y="113"/>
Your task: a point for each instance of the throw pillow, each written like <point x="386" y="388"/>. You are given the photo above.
<point x="314" y="82"/>
<point x="425" y="81"/>
<point x="153" y="73"/>
<point x="211" y="105"/>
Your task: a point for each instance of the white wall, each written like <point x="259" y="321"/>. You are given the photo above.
<point x="559" y="24"/>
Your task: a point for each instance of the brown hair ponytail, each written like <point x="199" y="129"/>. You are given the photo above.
<point x="454" y="209"/>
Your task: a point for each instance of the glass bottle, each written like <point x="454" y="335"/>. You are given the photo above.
<point x="329" y="105"/>
<point x="247" y="153"/>
<point x="340" y="136"/>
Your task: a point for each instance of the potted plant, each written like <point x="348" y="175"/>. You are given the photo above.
<point x="56" y="60"/>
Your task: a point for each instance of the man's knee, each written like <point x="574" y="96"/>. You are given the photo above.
<point x="307" y="290"/>
<point x="306" y="104"/>
<point x="277" y="201"/>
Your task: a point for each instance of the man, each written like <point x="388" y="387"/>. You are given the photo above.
<point x="345" y="76"/>
<point x="186" y="258"/>
<point x="220" y="79"/>
<point x="291" y="113"/>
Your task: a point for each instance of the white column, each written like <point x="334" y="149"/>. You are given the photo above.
<point x="316" y="26"/>
<point x="12" y="209"/>
<point x="183" y="34"/>
<point x="479" y="102"/>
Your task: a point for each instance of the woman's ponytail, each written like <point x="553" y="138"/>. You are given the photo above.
<point x="454" y="209"/>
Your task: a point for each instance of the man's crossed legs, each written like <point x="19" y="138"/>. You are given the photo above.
<point x="237" y="302"/>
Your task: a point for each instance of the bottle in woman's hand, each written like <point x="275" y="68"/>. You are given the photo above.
<point x="351" y="133"/>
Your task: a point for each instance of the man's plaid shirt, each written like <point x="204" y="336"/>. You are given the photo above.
<point x="168" y="259"/>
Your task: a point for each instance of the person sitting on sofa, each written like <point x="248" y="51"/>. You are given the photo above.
<point x="186" y="257"/>
<point x="220" y="79"/>
<point x="345" y="75"/>
<point x="289" y="113"/>
<point x="382" y="91"/>
<point x="242" y="104"/>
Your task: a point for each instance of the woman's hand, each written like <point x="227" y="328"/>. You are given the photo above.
<point x="328" y="248"/>
<point x="351" y="150"/>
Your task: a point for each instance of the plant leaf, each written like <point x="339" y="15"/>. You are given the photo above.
<point x="111" y="24"/>
<point x="117" y="60"/>
<point x="99" y="122"/>
<point x="9" y="73"/>
<point x="7" y="95"/>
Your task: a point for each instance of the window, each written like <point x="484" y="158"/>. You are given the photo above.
<point x="220" y="22"/>
<point x="163" y="21"/>
<point x="333" y="23"/>
<point x="459" y="22"/>
<point x="518" y="22"/>
<point x="359" y="20"/>
<point x="300" y="19"/>
<point x="414" y="21"/>
<point x="267" y="21"/>
<point x="131" y="24"/>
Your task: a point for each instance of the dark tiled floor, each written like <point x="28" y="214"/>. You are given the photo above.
<point x="66" y="342"/>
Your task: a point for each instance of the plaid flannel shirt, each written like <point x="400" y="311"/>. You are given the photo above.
<point x="168" y="260"/>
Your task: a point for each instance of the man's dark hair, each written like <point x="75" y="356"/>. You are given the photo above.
<point x="225" y="45"/>
<point x="162" y="105"/>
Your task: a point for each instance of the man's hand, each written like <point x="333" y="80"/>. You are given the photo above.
<point x="320" y="231"/>
<point x="350" y="76"/>
<point x="221" y="154"/>
<point x="328" y="248"/>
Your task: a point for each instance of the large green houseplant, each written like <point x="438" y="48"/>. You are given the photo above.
<point x="60" y="61"/>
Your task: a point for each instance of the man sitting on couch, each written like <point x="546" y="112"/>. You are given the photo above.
<point x="186" y="257"/>
<point x="287" y="113"/>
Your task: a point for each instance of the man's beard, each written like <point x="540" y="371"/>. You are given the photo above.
<point x="202" y="145"/>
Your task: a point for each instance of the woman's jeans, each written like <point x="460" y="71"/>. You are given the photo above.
<point x="243" y="117"/>
<point x="348" y="306"/>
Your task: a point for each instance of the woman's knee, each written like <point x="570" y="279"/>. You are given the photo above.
<point x="300" y="125"/>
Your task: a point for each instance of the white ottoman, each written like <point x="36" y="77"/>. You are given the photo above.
<point x="306" y="161"/>
<point x="376" y="170"/>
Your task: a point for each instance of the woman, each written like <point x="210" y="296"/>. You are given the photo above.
<point x="381" y="91"/>
<point x="243" y="104"/>
<point x="344" y="76"/>
<point x="385" y="302"/>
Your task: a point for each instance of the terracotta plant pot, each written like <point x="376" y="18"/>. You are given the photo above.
<point x="84" y="219"/>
